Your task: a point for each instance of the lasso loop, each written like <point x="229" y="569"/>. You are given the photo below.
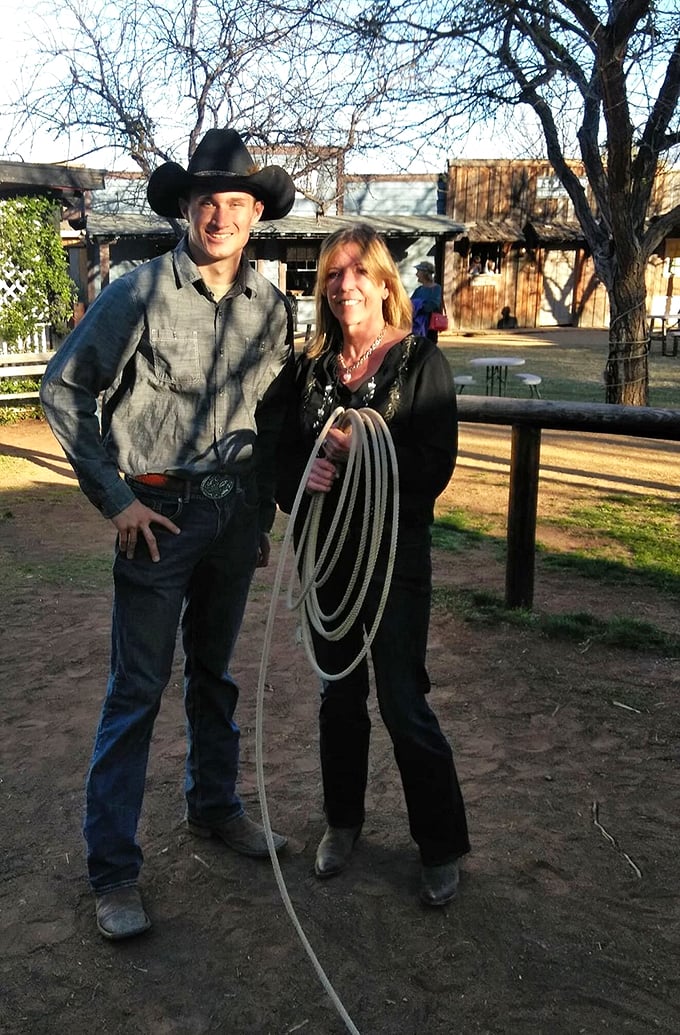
<point x="372" y="460"/>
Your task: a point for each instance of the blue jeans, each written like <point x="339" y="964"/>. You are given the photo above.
<point x="202" y="580"/>
<point x="433" y="797"/>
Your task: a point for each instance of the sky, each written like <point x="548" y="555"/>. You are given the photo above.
<point x="18" y="21"/>
<point x="15" y="19"/>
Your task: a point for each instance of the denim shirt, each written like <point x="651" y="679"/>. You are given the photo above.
<point x="190" y="386"/>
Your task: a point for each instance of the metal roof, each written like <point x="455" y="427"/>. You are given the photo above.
<point x="134" y="225"/>
<point x="127" y="224"/>
<point x="389" y="225"/>
<point x="18" y="176"/>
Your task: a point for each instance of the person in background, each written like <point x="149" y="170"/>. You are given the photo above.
<point x="193" y="352"/>
<point x="506" y="322"/>
<point x="475" y="265"/>
<point x="426" y="299"/>
<point x="364" y="354"/>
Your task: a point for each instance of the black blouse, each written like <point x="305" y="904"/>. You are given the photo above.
<point x="412" y="390"/>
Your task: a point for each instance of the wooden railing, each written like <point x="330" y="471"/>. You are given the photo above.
<point x="527" y="419"/>
<point x="22" y="365"/>
<point x="39" y="341"/>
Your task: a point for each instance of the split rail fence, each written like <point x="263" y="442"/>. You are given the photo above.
<point x="528" y="418"/>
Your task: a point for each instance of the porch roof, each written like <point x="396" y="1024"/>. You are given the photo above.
<point x="488" y="231"/>
<point x="22" y="177"/>
<point x="388" y="225"/>
<point x="557" y="230"/>
<point x="130" y="225"/>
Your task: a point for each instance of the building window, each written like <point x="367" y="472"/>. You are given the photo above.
<point x="301" y="264"/>
<point x="484" y="260"/>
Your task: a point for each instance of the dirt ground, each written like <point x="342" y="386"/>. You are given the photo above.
<point x="568" y="917"/>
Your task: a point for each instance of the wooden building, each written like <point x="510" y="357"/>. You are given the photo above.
<point x="523" y="248"/>
<point x="285" y="251"/>
<point x="68" y="186"/>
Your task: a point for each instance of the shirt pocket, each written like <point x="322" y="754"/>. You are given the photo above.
<point x="250" y="353"/>
<point x="176" y="357"/>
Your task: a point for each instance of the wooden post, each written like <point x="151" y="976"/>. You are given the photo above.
<point x="105" y="262"/>
<point x="522" y="505"/>
<point x="527" y="418"/>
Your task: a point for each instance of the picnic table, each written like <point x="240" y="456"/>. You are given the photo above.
<point x="496" y="371"/>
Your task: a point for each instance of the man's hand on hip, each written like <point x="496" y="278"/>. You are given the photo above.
<point x="136" y="520"/>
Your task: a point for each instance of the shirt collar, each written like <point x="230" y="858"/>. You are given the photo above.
<point x="187" y="272"/>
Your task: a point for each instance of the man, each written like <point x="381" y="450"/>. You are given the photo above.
<point x="193" y="354"/>
<point x="506" y="322"/>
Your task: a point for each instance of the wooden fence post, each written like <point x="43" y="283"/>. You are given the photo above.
<point x="527" y="418"/>
<point x="522" y="507"/>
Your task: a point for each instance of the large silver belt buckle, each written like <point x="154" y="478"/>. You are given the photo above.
<point x="217" y="486"/>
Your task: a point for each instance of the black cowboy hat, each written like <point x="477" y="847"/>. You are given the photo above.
<point x="221" y="162"/>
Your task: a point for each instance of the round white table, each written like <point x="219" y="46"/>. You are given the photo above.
<point x="497" y="371"/>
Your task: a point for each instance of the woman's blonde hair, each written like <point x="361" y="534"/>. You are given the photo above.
<point x="379" y="265"/>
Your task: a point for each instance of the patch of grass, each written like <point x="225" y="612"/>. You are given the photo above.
<point x="453" y="531"/>
<point x="479" y="606"/>
<point x="644" y="532"/>
<point x="10" y="413"/>
<point x="639" y="540"/>
<point x="611" y="572"/>
<point x="572" y="369"/>
<point x="580" y="627"/>
<point x="79" y="571"/>
<point x="41" y="493"/>
<point x="15" y="412"/>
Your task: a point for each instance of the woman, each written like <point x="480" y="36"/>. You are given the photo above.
<point x="364" y="355"/>
<point x="426" y="299"/>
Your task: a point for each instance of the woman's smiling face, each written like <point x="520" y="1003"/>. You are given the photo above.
<point x="352" y="295"/>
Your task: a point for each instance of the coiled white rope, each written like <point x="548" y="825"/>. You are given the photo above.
<point x="372" y="459"/>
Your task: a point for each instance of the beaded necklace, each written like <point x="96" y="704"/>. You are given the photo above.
<point x="349" y="370"/>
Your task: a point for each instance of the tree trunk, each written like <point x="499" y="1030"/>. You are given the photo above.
<point x="626" y="375"/>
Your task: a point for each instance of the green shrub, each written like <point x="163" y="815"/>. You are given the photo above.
<point x="32" y="255"/>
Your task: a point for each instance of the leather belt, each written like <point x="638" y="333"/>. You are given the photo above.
<point x="212" y="486"/>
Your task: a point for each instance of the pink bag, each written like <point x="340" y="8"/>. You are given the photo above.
<point x="439" y="322"/>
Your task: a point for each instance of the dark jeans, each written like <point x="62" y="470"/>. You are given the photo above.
<point x="433" y="798"/>
<point x="202" y="579"/>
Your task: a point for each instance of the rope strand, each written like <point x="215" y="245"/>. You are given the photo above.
<point x="370" y="443"/>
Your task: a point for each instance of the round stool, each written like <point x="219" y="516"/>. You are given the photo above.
<point x="461" y="380"/>
<point x="532" y="381"/>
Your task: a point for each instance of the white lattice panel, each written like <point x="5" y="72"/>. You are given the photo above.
<point x="37" y="342"/>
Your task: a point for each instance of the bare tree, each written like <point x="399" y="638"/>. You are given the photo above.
<point x="148" y="78"/>
<point x="600" y="77"/>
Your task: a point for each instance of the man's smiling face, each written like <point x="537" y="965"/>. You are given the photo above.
<point x="219" y="224"/>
